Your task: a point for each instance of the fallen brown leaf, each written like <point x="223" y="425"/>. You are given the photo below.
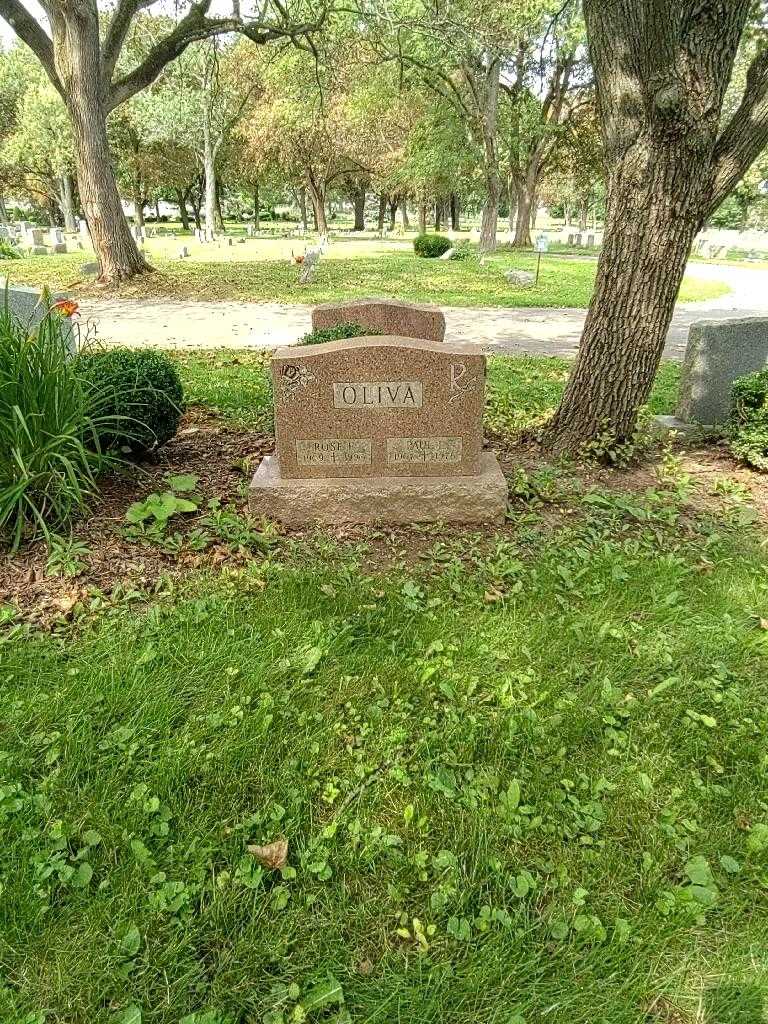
<point x="273" y="856"/>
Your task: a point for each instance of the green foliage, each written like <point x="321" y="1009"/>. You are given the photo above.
<point x="337" y="333"/>
<point x="463" y="251"/>
<point x="143" y="392"/>
<point x="8" y="250"/>
<point x="50" y="424"/>
<point x="431" y="246"/>
<point x="749" y="417"/>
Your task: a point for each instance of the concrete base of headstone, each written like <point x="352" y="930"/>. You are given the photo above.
<point x="403" y="319"/>
<point x="664" y="426"/>
<point x="391" y="501"/>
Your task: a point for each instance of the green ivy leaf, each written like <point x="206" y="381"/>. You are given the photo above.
<point x="327" y="993"/>
<point x="130" y="941"/>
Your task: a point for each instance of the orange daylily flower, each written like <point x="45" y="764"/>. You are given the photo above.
<point x="66" y="307"/>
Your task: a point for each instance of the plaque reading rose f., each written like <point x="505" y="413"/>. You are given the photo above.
<point x="379" y="407"/>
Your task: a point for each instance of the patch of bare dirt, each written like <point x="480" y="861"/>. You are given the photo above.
<point x="224" y="458"/>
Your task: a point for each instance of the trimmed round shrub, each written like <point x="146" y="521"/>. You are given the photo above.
<point x="337" y="333"/>
<point x="142" y="389"/>
<point x="431" y="246"/>
<point x="749" y="418"/>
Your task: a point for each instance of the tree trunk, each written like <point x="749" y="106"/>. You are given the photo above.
<point x="359" y="201"/>
<point x="256" y="207"/>
<point x="455" y="212"/>
<point x="490" y="216"/>
<point x="75" y="30"/>
<point x="512" y="200"/>
<point x="583" y="214"/>
<point x="392" y="214"/>
<point x="438" y="214"/>
<point x="68" y="203"/>
<point x="317" y="195"/>
<point x="422" y="218"/>
<point x="209" y="175"/>
<point x="404" y="214"/>
<point x="302" y="200"/>
<point x="157" y="211"/>
<point x="138" y="204"/>
<point x="183" y="212"/>
<point x="194" y="200"/>
<point x="661" y="81"/>
<point x="3" y="211"/>
<point x="650" y="226"/>
<point x="218" y="214"/>
<point x="382" y="212"/>
<point x="525" y="200"/>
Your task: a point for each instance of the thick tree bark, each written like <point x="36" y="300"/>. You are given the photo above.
<point x="3" y="211"/>
<point x="77" y="64"/>
<point x="392" y="214"/>
<point x="68" y="203"/>
<point x="256" y="207"/>
<point x="665" y="161"/>
<point x="404" y="214"/>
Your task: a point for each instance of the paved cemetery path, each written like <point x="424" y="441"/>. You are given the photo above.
<point x="168" y="324"/>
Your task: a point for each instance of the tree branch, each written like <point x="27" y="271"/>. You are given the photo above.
<point x="745" y="135"/>
<point x="32" y="33"/>
<point x="119" y="24"/>
<point x="192" y="28"/>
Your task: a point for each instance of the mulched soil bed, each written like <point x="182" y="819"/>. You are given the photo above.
<point x="224" y="457"/>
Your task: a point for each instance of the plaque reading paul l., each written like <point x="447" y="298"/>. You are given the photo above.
<point x="379" y="406"/>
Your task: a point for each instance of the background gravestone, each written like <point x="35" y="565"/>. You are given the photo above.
<point x="718" y="352"/>
<point x="26" y="307"/>
<point x="380" y="429"/>
<point x="388" y="316"/>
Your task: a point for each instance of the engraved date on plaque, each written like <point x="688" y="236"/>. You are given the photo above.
<point x="379" y="394"/>
<point x="334" y="451"/>
<point x="423" y="449"/>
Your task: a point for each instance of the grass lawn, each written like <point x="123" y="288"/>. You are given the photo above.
<point x="520" y="772"/>
<point x="259" y="271"/>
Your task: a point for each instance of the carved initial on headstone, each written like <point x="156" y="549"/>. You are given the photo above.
<point x="461" y="383"/>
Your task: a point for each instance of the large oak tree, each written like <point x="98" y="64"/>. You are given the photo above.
<point x="79" y="50"/>
<point x="662" y="69"/>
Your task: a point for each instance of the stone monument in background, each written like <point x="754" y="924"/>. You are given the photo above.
<point x="379" y="430"/>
